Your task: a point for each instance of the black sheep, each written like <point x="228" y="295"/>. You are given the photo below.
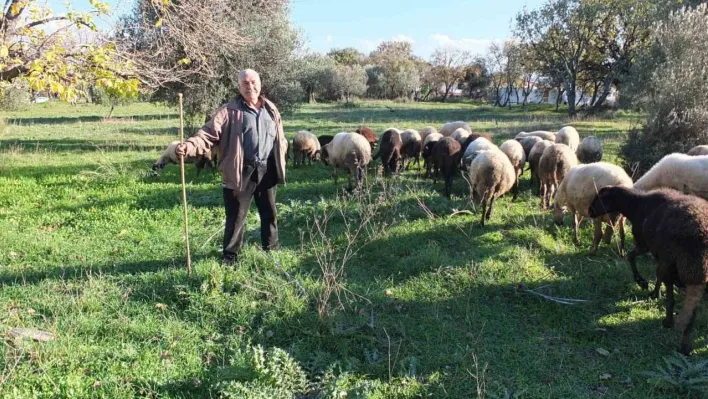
<point x="427" y="153"/>
<point x="324" y="139"/>
<point x="446" y="156"/>
<point x="674" y="228"/>
<point x="389" y="151"/>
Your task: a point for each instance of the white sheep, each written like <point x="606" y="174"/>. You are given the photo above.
<point x="533" y="160"/>
<point x="432" y="137"/>
<point x="554" y="164"/>
<point x="589" y="150"/>
<point x="515" y="152"/>
<point x="349" y="151"/>
<point x="305" y="145"/>
<point x="577" y="192"/>
<point x="544" y="134"/>
<point x="685" y="173"/>
<point x="477" y="146"/>
<point x="491" y="175"/>
<point x="528" y="143"/>
<point x="449" y="128"/>
<point x="698" y="150"/>
<point x="424" y="132"/>
<point x="460" y="135"/>
<point x="568" y="136"/>
<point x="169" y="156"/>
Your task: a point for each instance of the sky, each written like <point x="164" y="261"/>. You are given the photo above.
<point x="468" y="24"/>
<point x="362" y="24"/>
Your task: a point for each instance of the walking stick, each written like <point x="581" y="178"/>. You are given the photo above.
<point x="184" y="189"/>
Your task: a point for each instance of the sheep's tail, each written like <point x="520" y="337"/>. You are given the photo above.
<point x="694" y="294"/>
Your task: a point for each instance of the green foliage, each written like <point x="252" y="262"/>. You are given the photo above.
<point x="15" y="96"/>
<point x="396" y="72"/>
<point x="98" y="259"/>
<point x="346" y="56"/>
<point x="103" y="96"/>
<point x="680" y="374"/>
<point x="675" y="99"/>
<point x="274" y="375"/>
<point x="315" y="73"/>
<point x="347" y="82"/>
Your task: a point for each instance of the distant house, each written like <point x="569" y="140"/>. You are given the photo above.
<point x="538" y="96"/>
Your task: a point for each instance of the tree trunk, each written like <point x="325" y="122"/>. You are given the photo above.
<point x="447" y="92"/>
<point x="607" y="85"/>
<point x="571" y="97"/>
<point x="110" y="113"/>
<point x="594" y="93"/>
<point x="559" y="97"/>
<point x="582" y="95"/>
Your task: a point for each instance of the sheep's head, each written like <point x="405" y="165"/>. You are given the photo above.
<point x="316" y="155"/>
<point x="606" y="201"/>
<point x="324" y="155"/>
<point x="428" y="149"/>
<point x="558" y="213"/>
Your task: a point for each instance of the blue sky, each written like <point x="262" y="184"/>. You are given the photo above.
<point x="469" y="24"/>
<point x="362" y="24"/>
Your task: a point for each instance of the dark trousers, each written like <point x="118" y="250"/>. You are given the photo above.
<point x="260" y="186"/>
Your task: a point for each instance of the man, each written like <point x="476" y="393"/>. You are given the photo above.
<point x="252" y="147"/>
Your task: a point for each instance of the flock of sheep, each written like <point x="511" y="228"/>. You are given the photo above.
<point x="667" y="207"/>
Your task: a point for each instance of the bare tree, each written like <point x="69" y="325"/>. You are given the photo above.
<point x="198" y="47"/>
<point x="448" y="67"/>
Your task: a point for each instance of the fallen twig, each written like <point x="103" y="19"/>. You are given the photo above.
<point x="565" y="301"/>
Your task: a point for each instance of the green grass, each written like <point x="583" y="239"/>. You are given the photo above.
<point x="91" y="249"/>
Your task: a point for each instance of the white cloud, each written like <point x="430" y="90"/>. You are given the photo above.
<point x="476" y="46"/>
<point x="367" y="46"/>
<point x="328" y="39"/>
<point x="403" y="38"/>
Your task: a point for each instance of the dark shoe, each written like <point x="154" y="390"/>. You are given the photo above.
<point x="228" y="261"/>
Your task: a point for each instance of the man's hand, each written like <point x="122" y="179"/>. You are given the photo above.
<point x="181" y="150"/>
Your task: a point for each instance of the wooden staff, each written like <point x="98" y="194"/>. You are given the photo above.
<point x="184" y="189"/>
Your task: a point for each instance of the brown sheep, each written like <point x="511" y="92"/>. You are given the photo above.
<point x="533" y="160"/>
<point x="446" y="157"/>
<point x="389" y="150"/>
<point x="368" y="135"/>
<point x="674" y="228"/>
<point x="554" y="164"/>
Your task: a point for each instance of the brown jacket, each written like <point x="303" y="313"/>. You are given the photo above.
<point x="225" y="130"/>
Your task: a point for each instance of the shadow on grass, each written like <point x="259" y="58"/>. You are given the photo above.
<point x="73" y="145"/>
<point x="87" y="118"/>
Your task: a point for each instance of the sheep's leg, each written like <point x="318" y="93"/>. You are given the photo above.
<point x="448" y="183"/>
<point x="623" y="250"/>
<point x="657" y="289"/>
<point x="484" y="208"/>
<point x="336" y="175"/>
<point x="542" y="191"/>
<point x="576" y="222"/>
<point x="597" y="236"/>
<point x="516" y="185"/>
<point x="694" y="294"/>
<point x="632" y="258"/>
<point x="609" y="231"/>
<point x="669" y="320"/>
<point x="491" y="205"/>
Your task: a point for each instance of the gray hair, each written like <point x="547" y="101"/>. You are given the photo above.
<point x="242" y="74"/>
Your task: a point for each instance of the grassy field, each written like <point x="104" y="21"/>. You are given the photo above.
<point x="429" y="304"/>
